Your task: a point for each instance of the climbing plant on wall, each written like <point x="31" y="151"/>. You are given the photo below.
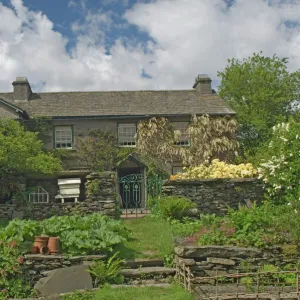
<point x="209" y="137"/>
<point x="99" y="150"/>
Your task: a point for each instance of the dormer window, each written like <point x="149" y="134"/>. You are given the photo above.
<point x="63" y="137"/>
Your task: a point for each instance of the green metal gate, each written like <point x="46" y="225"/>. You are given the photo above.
<point x="135" y="190"/>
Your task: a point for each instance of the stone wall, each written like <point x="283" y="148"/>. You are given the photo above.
<point x="104" y="201"/>
<point x="216" y="195"/>
<point x="37" y="266"/>
<point x="210" y="261"/>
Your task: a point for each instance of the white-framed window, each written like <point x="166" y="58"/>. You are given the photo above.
<point x="177" y="169"/>
<point x="39" y="195"/>
<point x="127" y="134"/>
<point x="182" y="127"/>
<point x="63" y="137"/>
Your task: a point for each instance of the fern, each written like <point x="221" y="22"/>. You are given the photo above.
<point x="108" y="272"/>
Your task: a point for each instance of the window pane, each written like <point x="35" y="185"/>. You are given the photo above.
<point x="126" y="134"/>
<point x="63" y="137"/>
<point x="39" y="196"/>
<point x="176" y="170"/>
<point x="184" y="139"/>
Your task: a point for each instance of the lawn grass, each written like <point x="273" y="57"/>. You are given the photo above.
<point x="173" y="292"/>
<point x="149" y="238"/>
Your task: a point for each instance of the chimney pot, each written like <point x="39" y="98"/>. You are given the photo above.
<point x="22" y="89"/>
<point x="203" y="84"/>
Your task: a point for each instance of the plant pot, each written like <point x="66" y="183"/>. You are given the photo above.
<point x="53" y="245"/>
<point x="34" y="250"/>
<point x="45" y="250"/>
<point x="40" y="241"/>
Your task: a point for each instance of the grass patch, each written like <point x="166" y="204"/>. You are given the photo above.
<point x="149" y="238"/>
<point x="173" y="292"/>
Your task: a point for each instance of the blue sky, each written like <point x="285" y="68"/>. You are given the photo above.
<point x="63" y="13"/>
<point x="138" y="44"/>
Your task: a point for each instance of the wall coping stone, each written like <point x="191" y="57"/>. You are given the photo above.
<point x="53" y="257"/>
<point x="208" y="180"/>
<point x="217" y="251"/>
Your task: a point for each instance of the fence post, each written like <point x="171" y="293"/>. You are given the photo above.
<point x="237" y="285"/>
<point x="217" y="293"/>
<point x="297" y="282"/>
<point x="257" y="283"/>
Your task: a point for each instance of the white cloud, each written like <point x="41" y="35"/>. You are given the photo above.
<point x="191" y="37"/>
<point x="195" y="36"/>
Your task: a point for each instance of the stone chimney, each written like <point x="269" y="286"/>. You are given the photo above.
<point x="22" y="89"/>
<point x="203" y="84"/>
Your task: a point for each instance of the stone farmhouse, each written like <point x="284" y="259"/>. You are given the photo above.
<point x="74" y="114"/>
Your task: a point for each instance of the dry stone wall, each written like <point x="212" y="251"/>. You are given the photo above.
<point x="216" y="195"/>
<point x="38" y="266"/>
<point x="103" y="201"/>
<point x="209" y="261"/>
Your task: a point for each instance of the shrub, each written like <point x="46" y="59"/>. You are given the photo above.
<point x="175" y="207"/>
<point x="90" y="234"/>
<point x="257" y="226"/>
<point x="218" y="169"/>
<point x="12" y="274"/>
<point x="280" y="163"/>
<point x="108" y="272"/>
<point x="185" y="227"/>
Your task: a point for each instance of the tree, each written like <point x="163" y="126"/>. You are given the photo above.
<point x="21" y="153"/>
<point x="260" y="89"/>
<point x="99" y="150"/>
<point x="209" y="138"/>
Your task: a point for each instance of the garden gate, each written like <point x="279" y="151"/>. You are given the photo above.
<point x="135" y="192"/>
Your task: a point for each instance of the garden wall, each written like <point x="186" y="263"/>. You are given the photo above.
<point x="37" y="266"/>
<point x="102" y="200"/>
<point x="216" y="195"/>
<point x="198" y="264"/>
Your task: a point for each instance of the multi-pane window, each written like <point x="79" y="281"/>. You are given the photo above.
<point x="176" y="170"/>
<point x="39" y="195"/>
<point x="63" y="137"/>
<point x="184" y="138"/>
<point x="127" y="134"/>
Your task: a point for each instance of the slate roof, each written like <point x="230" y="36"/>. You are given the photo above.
<point x="124" y="103"/>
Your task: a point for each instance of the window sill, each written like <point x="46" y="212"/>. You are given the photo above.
<point x="182" y="145"/>
<point x="127" y="146"/>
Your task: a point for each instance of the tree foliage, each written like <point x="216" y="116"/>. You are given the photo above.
<point x="99" y="150"/>
<point x="209" y="138"/>
<point x="280" y="167"/>
<point x="21" y="153"/>
<point x="260" y="89"/>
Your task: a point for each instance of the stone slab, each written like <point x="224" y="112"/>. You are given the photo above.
<point x="216" y="251"/>
<point x="213" y="273"/>
<point x="65" y="280"/>
<point x="137" y="263"/>
<point x="221" y="261"/>
<point x="147" y="271"/>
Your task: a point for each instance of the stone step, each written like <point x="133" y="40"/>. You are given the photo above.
<point x="147" y="271"/>
<point x="143" y="262"/>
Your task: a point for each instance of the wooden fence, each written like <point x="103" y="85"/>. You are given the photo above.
<point x="256" y="285"/>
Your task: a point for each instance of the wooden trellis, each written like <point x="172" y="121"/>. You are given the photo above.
<point x="256" y="290"/>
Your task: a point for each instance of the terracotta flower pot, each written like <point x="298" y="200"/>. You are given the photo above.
<point x="45" y="250"/>
<point x="53" y="245"/>
<point x="40" y="241"/>
<point x="34" y="250"/>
